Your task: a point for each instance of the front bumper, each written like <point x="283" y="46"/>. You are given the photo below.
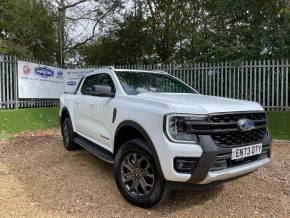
<point x="207" y="154"/>
<point x="234" y="171"/>
<point x="202" y="173"/>
<point x="219" y="177"/>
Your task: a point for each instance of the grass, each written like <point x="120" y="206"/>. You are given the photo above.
<point x="279" y="125"/>
<point x="13" y="121"/>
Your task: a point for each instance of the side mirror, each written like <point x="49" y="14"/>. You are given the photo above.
<point x="103" y="91"/>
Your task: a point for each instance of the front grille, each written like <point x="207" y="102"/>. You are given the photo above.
<point x="224" y="130"/>
<point x="238" y="138"/>
<point x="234" y="117"/>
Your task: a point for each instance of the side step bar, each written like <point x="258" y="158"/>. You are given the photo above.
<point x="95" y="149"/>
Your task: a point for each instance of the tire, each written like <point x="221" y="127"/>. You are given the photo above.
<point x="68" y="135"/>
<point x="136" y="176"/>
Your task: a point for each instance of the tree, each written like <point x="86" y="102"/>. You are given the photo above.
<point x="127" y="41"/>
<point x="203" y="30"/>
<point x="149" y="31"/>
<point x="240" y="30"/>
<point x="27" y="30"/>
<point x="79" y="22"/>
<point x="169" y="20"/>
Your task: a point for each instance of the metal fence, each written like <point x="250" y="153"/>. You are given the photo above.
<point x="264" y="81"/>
<point x="9" y="88"/>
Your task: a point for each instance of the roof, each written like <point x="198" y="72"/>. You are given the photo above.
<point x="141" y="71"/>
<point x="126" y="70"/>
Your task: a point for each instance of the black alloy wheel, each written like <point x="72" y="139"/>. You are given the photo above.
<point x="136" y="176"/>
<point x="68" y="135"/>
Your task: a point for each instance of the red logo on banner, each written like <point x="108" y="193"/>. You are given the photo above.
<point x="26" y="70"/>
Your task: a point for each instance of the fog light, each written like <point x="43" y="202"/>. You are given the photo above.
<point x="185" y="164"/>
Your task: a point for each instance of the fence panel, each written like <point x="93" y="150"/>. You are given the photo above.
<point x="264" y="81"/>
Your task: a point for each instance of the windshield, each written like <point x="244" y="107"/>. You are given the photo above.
<point x="134" y="83"/>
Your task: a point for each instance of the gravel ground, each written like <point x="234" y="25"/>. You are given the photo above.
<point x="39" y="178"/>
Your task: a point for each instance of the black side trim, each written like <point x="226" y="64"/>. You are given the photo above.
<point x="64" y="109"/>
<point x="95" y="149"/>
<point x="147" y="139"/>
<point x="114" y="115"/>
<point x="208" y="158"/>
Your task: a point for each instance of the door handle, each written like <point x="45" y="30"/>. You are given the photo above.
<point x="77" y="102"/>
<point x="91" y="104"/>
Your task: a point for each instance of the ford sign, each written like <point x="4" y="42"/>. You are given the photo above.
<point x="43" y="71"/>
<point x="71" y="83"/>
<point x="246" y="124"/>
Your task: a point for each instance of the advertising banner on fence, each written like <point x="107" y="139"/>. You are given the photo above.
<point x="39" y="81"/>
<point x="73" y="76"/>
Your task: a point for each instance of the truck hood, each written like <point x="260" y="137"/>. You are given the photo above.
<point x="201" y="104"/>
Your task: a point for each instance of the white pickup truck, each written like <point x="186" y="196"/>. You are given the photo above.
<point x="161" y="134"/>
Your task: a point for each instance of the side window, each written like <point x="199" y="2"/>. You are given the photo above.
<point x="97" y="79"/>
<point x="105" y="79"/>
<point x="88" y="85"/>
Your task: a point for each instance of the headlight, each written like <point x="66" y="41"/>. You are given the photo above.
<point x="177" y="125"/>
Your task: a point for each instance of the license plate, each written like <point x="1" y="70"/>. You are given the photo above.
<point x="246" y="151"/>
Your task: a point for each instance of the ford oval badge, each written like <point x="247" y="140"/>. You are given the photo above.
<point x="246" y="124"/>
<point x="43" y="71"/>
<point x="71" y="83"/>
